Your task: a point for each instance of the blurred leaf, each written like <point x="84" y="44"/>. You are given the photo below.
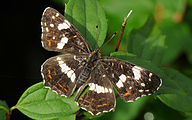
<point x="147" y="43"/>
<point x="176" y="36"/>
<point x="178" y="102"/>
<point x="38" y="102"/>
<point x="3" y="106"/>
<point x="85" y="15"/>
<point x="181" y="102"/>
<point x="116" y="10"/>
<point x="161" y="111"/>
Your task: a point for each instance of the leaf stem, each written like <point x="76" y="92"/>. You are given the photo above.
<point x="123" y="27"/>
<point x="5" y="109"/>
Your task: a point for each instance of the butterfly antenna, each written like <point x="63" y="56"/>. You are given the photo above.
<point x="109" y="39"/>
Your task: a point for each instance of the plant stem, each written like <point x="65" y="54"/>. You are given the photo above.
<point x="123" y="27"/>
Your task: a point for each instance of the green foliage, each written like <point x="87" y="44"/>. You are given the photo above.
<point x="156" y="35"/>
<point x="85" y="15"/>
<point x="4" y="109"/>
<point x="39" y="102"/>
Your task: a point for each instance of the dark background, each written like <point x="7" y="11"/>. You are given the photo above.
<point x="21" y="51"/>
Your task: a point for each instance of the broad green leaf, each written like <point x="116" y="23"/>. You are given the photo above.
<point x="38" y="102"/>
<point x="178" y="102"/>
<point x="71" y="117"/>
<point x="176" y="36"/>
<point x="168" y="85"/>
<point x="147" y="43"/>
<point x="181" y="102"/>
<point x="3" y="110"/>
<point x="85" y="15"/>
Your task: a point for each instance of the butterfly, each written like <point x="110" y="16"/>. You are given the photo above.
<point x="82" y="67"/>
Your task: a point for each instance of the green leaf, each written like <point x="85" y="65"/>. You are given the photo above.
<point x="38" y="102"/>
<point x="85" y="15"/>
<point x="168" y="85"/>
<point x="71" y="117"/>
<point x="147" y="43"/>
<point x="3" y="110"/>
<point x="181" y="102"/>
<point x="176" y="36"/>
<point x="178" y="102"/>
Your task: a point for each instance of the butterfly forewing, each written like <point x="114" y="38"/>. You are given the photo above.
<point x="100" y="96"/>
<point x="59" y="35"/>
<point x="130" y="81"/>
<point x="60" y="73"/>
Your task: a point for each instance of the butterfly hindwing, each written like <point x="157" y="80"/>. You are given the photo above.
<point x="60" y="73"/>
<point x="59" y="35"/>
<point x="130" y="81"/>
<point x="100" y="96"/>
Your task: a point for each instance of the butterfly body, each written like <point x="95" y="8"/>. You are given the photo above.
<point x="82" y="67"/>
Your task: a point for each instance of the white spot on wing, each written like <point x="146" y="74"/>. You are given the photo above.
<point x="119" y="84"/>
<point x="64" y="40"/>
<point x="150" y="79"/>
<point x="143" y="84"/>
<point x="64" y="25"/>
<point x="47" y="29"/>
<point x="53" y="17"/>
<point x="122" y="78"/>
<point x="92" y="86"/>
<point x="146" y="90"/>
<point x="99" y="89"/>
<point x="106" y="90"/>
<point x="140" y="90"/>
<point x="57" y="14"/>
<point x="150" y="74"/>
<point x="52" y="25"/>
<point x="137" y="72"/>
<point x="67" y="70"/>
<point x="113" y="75"/>
<point x="110" y="90"/>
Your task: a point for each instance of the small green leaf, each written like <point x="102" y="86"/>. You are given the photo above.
<point x="38" y="102"/>
<point x="85" y="15"/>
<point x="3" y="110"/>
<point x="181" y="102"/>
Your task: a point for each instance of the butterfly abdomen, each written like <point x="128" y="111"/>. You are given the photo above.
<point x="84" y="76"/>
